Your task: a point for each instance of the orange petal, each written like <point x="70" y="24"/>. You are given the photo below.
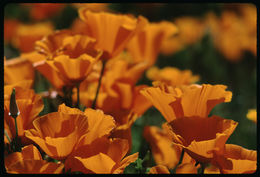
<point x="31" y="166"/>
<point x="163" y="150"/>
<point x="124" y="163"/>
<point x="187" y="168"/>
<point x="100" y="163"/>
<point x="99" y="123"/>
<point x="159" y="169"/>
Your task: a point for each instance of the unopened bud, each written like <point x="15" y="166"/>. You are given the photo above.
<point x="13" y="111"/>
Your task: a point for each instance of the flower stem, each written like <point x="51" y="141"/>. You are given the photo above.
<point x="7" y="136"/>
<point x="99" y="84"/>
<point x="202" y="168"/>
<point x="77" y="105"/>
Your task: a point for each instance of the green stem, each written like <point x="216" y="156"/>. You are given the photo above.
<point x="99" y="84"/>
<point x="16" y="129"/>
<point x="202" y="168"/>
<point x="7" y="136"/>
<point x="77" y="105"/>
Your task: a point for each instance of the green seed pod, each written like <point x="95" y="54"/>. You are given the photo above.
<point x="14" y="111"/>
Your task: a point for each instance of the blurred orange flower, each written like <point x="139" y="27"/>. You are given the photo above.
<point x="190" y="30"/>
<point x="10" y="27"/>
<point x="104" y="156"/>
<point x="175" y="102"/>
<point x="26" y="35"/>
<point x="171" y="76"/>
<point x="236" y="30"/>
<point x="201" y="137"/>
<point x="17" y="69"/>
<point x="41" y="11"/>
<point x="29" y="105"/>
<point x="145" y="46"/>
<point x="252" y="115"/>
<point x="237" y="160"/>
<point x="111" y="31"/>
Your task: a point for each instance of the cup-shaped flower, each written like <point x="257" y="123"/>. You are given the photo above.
<point x="58" y="133"/>
<point x="72" y="70"/>
<point x="186" y="101"/>
<point x="200" y="137"/>
<point x="101" y="156"/>
<point x="111" y="31"/>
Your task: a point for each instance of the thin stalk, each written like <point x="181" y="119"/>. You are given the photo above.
<point x="99" y="84"/>
<point x="180" y="161"/>
<point x="16" y="129"/>
<point x="202" y="168"/>
<point x="77" y="105"/>
<point x="7" y="136"/>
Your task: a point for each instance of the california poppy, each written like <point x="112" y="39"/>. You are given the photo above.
<point x="252" y="115"/>
<point x="111" y="31"/>
<point x="174" y="102"/>
<point x="206" y="135"/>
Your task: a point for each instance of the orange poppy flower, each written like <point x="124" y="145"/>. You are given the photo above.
<point x="145" y="46"/>
<point x="17" y="69"/>
<point x="70" y="128"/>
<point x="28" y="152"/>
<point x="171" y="76"/>
<point x="10" y="27"/>
<point x="70" y="70"/>
<point x="41" y="11"/>
<point x="190" y="30"/>
<point x="236" y="160"/>
<point x="200" y="137"/>
<point x="175" y="102"/>
<point x="111" y="31"/>
<point x="29" y="105"/>
<point x="252" y="115"/>
<point x="159" y="169"/>
<point x="233" y="29"/>
<point x="26" y="35"/>
<point x="104" y="156"/>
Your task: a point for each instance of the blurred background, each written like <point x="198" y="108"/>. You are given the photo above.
<point x="215" y="41"/>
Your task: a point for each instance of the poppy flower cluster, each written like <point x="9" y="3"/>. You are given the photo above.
<point x="93" y="69"/>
